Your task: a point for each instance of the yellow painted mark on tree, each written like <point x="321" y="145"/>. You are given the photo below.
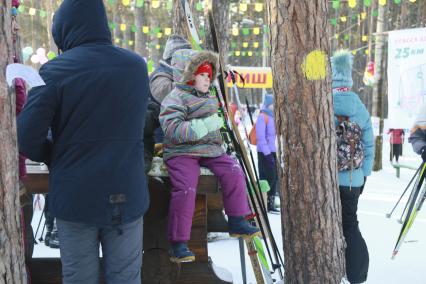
<point x="315" y="65"/>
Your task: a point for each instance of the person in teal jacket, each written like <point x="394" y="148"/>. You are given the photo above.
<point x="351" y="182"/>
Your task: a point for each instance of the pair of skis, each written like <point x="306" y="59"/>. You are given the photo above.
<point x="258" y="259"/>
<point x="254" y="246"/>
<point x="413" y="206"/>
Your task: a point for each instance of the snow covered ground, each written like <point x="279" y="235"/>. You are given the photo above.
<point x="382" y="191"/>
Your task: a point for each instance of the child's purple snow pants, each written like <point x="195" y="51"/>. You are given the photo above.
<point x="184" y="172"/>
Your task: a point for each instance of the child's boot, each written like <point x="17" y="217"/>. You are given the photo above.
<point x="240" y="227"/>
<point x="271" y="205"/>
<point x="179" y="252"/>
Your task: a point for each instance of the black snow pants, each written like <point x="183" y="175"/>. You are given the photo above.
<point x="356" y="254"/>
<point x="268" y="172"/>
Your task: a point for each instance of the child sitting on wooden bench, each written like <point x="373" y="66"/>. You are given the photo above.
<point x="191" y="126"/>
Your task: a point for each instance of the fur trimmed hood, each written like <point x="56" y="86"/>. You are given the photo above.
<point x="186" y="61"/>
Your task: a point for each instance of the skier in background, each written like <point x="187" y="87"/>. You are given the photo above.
<point x="396" y="140"/>
<point x="266" y="150"/>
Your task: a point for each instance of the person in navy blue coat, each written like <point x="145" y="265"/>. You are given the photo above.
<point x="94" y="102"/>
<point x="351" y="182"/>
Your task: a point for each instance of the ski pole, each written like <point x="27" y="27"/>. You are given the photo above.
<point x="277" y="254"/>
<point x="410" y="198"/>
<point x="236" y="138"/>
<point x="242" y="260"/>
<point x="39" y="222"/>
<point x="249" y="180"/>
<point x="42" y="231"/>
<point x="393" y="209"/>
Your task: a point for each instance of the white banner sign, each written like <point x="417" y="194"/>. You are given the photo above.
<point x="406" y="75"/>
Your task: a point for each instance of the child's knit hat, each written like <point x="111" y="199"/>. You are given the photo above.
<point x="269" y="100"/>
<point x="341" y="65"/>
<point x="205" y="67"/>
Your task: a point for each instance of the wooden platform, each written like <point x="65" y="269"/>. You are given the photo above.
<point x="157" y="267"/>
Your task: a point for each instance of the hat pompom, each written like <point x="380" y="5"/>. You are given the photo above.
<point x="341" y="65"/>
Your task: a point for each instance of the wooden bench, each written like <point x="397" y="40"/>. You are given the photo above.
<point x="157" y="267"/>
<point x="399" y="166"/>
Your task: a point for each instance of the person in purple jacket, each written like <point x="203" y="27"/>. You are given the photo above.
<point x="266" y="149"/>
<point x="192" y="139"/>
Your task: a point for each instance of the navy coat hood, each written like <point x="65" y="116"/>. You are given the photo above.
<point x="77" y="22"/>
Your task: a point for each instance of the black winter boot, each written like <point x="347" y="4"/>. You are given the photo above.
<point x="54" y="239"/>
<point x="271" y="205"/>
<point x="179" y="252"/>
<point x="49" y="229"/>
<point x="240" y="227"/>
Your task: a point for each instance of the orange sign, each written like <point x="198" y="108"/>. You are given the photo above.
<point x="254" y="77"/>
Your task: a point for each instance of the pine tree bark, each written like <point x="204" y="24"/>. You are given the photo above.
<point x="12" y="267"/>
<point x="378" y="86"/>
<point x="127" y="34"/>
<point x="424" y="15"/>
<point x="310" y="205"/>
<point x="49" y="15"/>
<point x="140" y="22"/>
<point x="116" y="17"/>
<point x="154" y="52"/>
<point x="220" y="10"/>
<point x="180" y="27"/>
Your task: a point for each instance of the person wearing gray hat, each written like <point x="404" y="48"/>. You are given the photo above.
<point x="161" y="80"/>
<point x="174" y="43"/>
<point x="161" y="84"/>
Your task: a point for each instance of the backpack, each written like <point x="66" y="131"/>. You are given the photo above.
<point x="252" y="135"/>
<point x="350" y="150"/>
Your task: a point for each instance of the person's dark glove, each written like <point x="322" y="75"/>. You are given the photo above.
<point x="270" y="159"/>
<point x="361" y="189"/>
<point x="423" y="153"/>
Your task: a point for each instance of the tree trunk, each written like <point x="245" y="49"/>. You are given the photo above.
<point x="180" y="26"/>
<point x="117" y="34"/>
<point x="140" y="22"/>
<point x="378" y="89"/>
<point x="310" y="205"/>
<point x="155" y="53"/>
<point x="221" y="19"/>
<point x="49" y="15"/>
<point x="127" y="34"/>
<point x="12" y="267"/>
<point x="424" y="15"/>
<point x="404" y="12"/>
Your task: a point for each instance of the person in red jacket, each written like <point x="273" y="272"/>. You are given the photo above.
<point x="396" y="140"/>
